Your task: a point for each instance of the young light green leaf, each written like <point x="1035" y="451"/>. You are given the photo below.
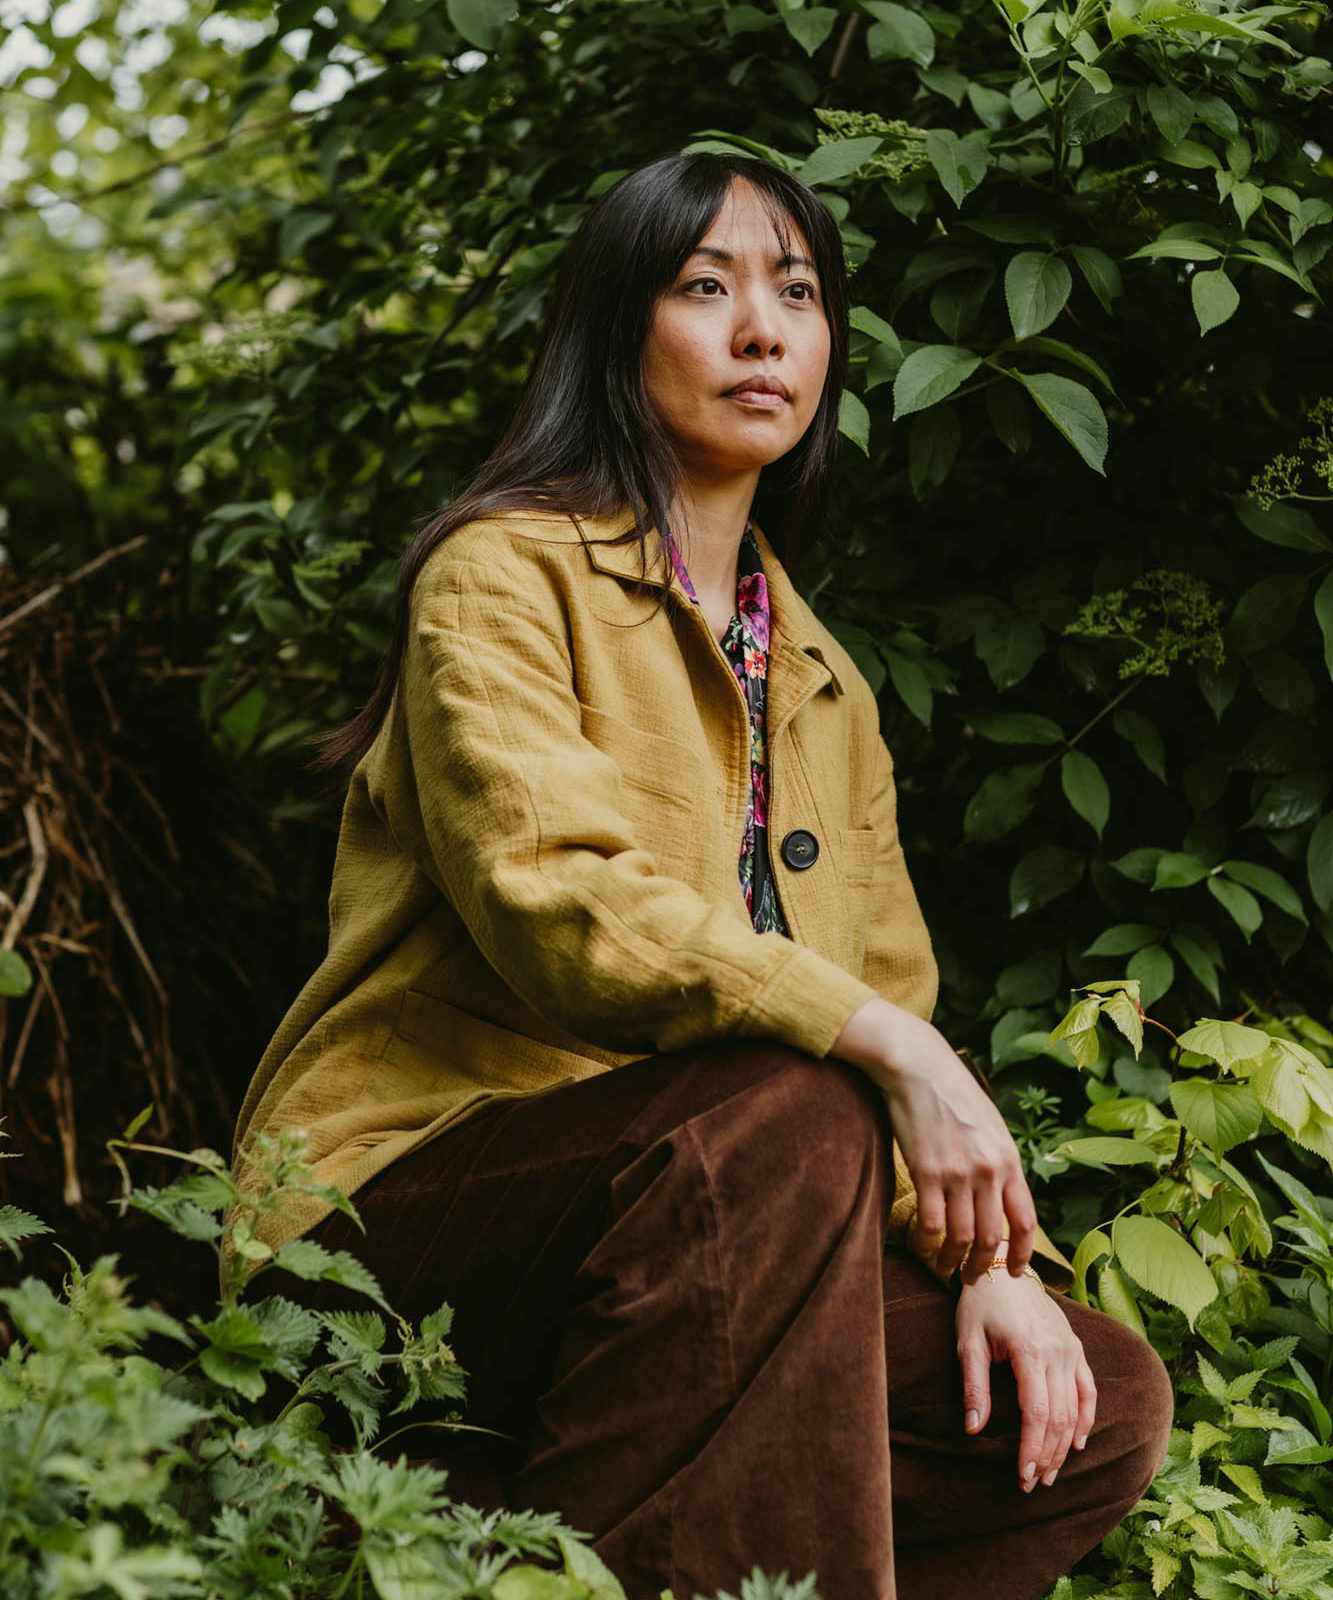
<point x="1222" y="1115"/>
<point x="1109" y="1150"/>
<point x="1074" y="411"/>
<point x="1036" y="287"/>
<point x="1214" y="297"/>
<point x="1121" y="1010"/>
<point x="1091" y="1247"/>
<point x="1165" y="1264"/>
<point x="1085" y="789"/>
<point x="1117" y="1298"/>
<point x="930" y="374"/>
<point x="15" y="974"/>
<point x="1078" y="1029"/>
<point x="1228" y="1043"/>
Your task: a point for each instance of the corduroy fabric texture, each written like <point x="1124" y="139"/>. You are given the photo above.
<point x="536" y="871"/>
<point x="671" y="1292"/>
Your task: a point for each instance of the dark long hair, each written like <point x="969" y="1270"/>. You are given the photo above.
<point x="584" y="439"/>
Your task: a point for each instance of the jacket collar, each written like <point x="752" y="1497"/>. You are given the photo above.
<point x="795" y="642"/>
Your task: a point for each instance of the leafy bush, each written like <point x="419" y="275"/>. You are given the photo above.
<point x="122" y="1475"/>
<point x="1206" y="1255"/>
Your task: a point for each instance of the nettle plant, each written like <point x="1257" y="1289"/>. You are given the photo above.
<point x="1244" y="1501"/>
<point x="124" y="1473"/>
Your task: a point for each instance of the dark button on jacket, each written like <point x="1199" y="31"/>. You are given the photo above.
<point x="800" y="850"/>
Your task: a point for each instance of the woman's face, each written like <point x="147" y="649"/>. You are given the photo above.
<point x="738" y="348"/>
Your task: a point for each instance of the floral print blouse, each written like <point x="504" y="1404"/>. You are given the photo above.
<point x="745" y="645"/>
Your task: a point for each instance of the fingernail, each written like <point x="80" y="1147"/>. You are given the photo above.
<point x="1028" y="1485"/>
<point x="1029" y="1474"/>
<point x="970" y="1421"/>
<point x="1080" y="1441"/>
<point x="1049" y="1479"/>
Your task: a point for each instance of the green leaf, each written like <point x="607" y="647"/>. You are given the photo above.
<point x="865" y="321"/>
<point x="831" y="162"/>
<point x="1223" y="1115"/>
<point x="1177" y="869"/>
<point x="911" y="683"/>
<point x="1165" y="1264"/>
<point x="929" y="374"/>
<point x="1154" y="971"/>
<point x="1243" y="909"/>
<point x="1047" y="346"/>
<point x="1141" y="732"/>
<point x="1036" y="287"/>
<point x="1078" y="1029"/>
<point x="1109" y="1150"/>
<point x="810" y="28"/>
<point x="1284" y="525"/>
<point x="1122" y="1010"/>
<point x="932" y="448"/>
<point x="1091" y="1246"/>
<point x="1074" y="411"/>
<point x="1319" y="865"/>
<point x="899" y="34"/>
<point x="1289" y="801"/>
<point x="1323" y="610"/>
<point x="1124" y="939"/>
<point x="959" y="163"/>
<point x="1085" y="789"/>
<point x="1175" y="249"/>
<point x="1100" y="273"/>
<point x="1200" y="962"/>
<point x="1002" y="802"/>
<point x="1227" y="1043"/>
<point x="854" y="420"/>
<point x="1172" y="110"/>
<point x="1272" y="885"/>
<point x="1043" y="875"/>
<point x="1016" y="727"/>
<point x="16" y="1225"/>
<point x="481" y="22"/>
<point x="298" y="228"/>
<point x="15" y="974"/>
<point x="1214" y="297"/>
<point x="1008" y="644"/>
<point x="1117" y="1299"/>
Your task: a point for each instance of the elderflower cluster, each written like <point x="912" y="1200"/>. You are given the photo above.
<point x="1178" y="620"/>
<point x="903" y="154"/>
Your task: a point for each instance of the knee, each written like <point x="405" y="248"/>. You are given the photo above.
<point x="1135" y="1404"/>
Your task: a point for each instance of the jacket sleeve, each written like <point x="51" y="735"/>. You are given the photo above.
<point x="514" y="815"/>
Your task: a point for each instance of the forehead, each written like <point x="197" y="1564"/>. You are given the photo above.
<point x="751" y="222"/>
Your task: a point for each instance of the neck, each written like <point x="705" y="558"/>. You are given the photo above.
<point x="709" y="522"/>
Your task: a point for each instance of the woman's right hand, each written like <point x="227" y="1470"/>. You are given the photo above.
<point x="961" y="1155"/>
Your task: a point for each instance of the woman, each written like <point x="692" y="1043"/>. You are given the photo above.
<point x="627" y="984"/>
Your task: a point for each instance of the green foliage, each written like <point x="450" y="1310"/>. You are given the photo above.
<point x="122" y="1475"/>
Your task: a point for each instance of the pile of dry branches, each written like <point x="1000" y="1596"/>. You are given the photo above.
<point x="136" y="883"/>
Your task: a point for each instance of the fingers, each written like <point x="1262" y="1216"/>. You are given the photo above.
<point x="974" y="1357"/>
<point x="1087" y="1401"/>
<point x="1035" y="1406"/>
<point x="988" y="1213"/>
<point x="1022" y="1215"/>
<point x="961" y="1226"/>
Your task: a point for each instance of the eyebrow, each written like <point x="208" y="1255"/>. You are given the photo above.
<point x="726" y="259"/>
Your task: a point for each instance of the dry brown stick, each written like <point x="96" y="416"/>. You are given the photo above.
<point x="61" y="1091"/>
<point x="25" y="1033"/>
<point x="61" y="584"/>
<point x="36" y="872"/>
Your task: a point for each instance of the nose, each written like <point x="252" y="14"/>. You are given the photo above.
<point x="756" y="331"/>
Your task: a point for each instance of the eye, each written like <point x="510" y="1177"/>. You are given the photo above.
<point x="707" y="288"/>
<point x="803" y="293"/>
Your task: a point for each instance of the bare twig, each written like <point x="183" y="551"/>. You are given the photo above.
<point x="45" y="596"/>
<point x="36" y="872"/>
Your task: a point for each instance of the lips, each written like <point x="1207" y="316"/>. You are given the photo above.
<point x="760" y="389"/>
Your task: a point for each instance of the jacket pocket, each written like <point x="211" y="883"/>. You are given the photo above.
<point x="858" y="849"/>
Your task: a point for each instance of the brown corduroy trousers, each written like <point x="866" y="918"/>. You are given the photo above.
<point x="671" y="1290"/>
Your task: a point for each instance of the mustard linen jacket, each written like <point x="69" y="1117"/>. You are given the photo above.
<point x="536" y="877"/>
